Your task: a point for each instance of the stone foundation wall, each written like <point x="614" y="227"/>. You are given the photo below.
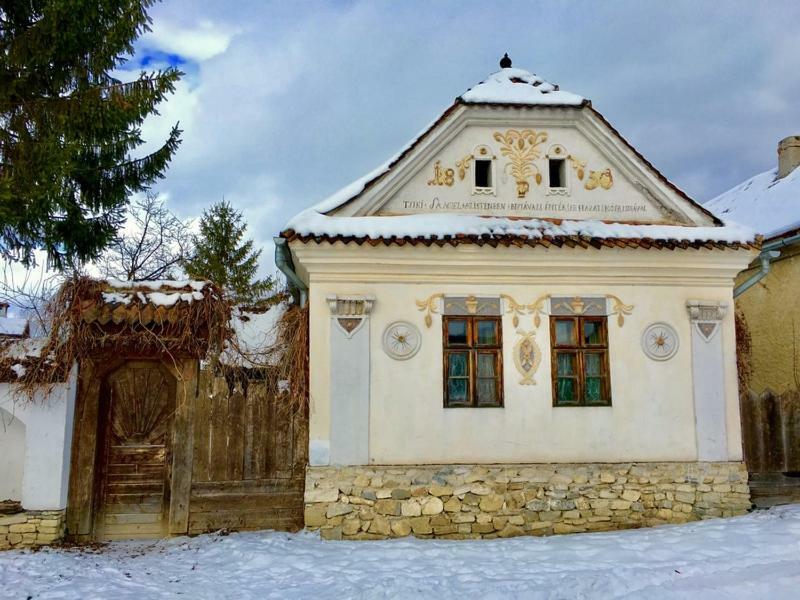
<point x="488" y="501"/>
<point x="32" y="528"/>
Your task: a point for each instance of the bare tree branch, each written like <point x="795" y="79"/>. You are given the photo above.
<point x="28" y="290"/>
<point x="152" y="245"/>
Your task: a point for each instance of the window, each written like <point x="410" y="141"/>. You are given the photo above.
<point x="473" y="361"/>
<point x="579" y="350"/>
<point x="558" y="178"/>
<point x="483" y="173"/>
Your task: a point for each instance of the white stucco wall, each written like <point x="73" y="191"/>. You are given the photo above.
<point x="12" y="448"/>
<point x="652" y="417"/>
<point x="44" y="459"/>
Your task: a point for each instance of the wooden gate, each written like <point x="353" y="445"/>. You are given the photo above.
<point x="133" y="475"/>
<point x="160" y="448"/>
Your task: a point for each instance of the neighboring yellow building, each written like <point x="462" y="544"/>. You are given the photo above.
<point x="768" y="292"/>
<point x="518" y="326"/>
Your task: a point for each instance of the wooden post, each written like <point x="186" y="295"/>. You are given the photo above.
<point x="80" y="503"/>
<point x="183" y="445"/>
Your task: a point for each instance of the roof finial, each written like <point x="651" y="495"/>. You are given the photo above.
<point x="505" y="62"/>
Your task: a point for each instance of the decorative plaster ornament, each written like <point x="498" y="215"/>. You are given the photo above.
<point x="401" y="340"/>
<point x="522" y="148"/>
<point x="527" y="356"/>
<point x="600" y="179"/>
<point x="579" y="166"/>
<point x="516" y="309"/>
<point x="620" y="309"/>
<point x="706" y="316"/>
<point x="429" y="306"/>
<point x="660" y="341"/>
<point x="442" y="176"/>
<point x="350" y="312"/>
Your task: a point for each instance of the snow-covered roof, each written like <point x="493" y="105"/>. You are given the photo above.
<point x="769" y="205"/>
<point x="518" y="86"/>
<point x="443" y="226"/>
<point x="13" y="326"/>
<point x="509" y="86"/>
<point x="158" y="292"/>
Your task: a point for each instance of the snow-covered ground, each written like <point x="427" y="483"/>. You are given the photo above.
<point x="755" y="556"/>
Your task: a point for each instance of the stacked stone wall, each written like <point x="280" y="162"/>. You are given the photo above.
<point x="489" y="501"/>
<point x="31" y="528"/>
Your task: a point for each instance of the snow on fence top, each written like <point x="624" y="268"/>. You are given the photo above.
<point x="16" y="355"/>
<point x="769" y="205"/>
<point x="518" y="86"/>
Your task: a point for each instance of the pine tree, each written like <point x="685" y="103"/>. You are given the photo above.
<point x="68" y="128"/>
<point x="222" y="257"/>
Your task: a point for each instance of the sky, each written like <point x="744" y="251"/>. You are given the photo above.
<point x="283" y="102"/>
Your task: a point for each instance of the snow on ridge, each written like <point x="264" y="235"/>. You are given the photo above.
<point x="434" y="226"/>
<point x="158" y="284"/>
<point x="164" y="292"/>
<point x="518" y="86"/>
<point x="769" y="205"/>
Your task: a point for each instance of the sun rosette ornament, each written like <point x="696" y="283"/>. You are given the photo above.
<point x="401" y="340"/>
<point x="660" y="341"/>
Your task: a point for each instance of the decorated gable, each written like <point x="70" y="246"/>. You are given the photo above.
<point x="533" y="169"/>
<point x="517" y="158"/>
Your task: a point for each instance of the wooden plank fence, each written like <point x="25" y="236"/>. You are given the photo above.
<point x="250" y="452"/>
<point x="771" y="431"/>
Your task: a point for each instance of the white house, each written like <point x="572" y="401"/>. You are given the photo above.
<point x="517" y="326"/>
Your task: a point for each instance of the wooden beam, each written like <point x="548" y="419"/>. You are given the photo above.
<point x="183" y="445"/>
<point x="80" y="500"/>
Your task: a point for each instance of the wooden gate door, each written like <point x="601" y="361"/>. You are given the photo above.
<point x="133" y="474"/>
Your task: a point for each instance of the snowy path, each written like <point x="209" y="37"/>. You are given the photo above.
<point x="755" y="556"/>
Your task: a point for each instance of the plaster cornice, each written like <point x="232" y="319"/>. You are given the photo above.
<point x="340" y="262"/>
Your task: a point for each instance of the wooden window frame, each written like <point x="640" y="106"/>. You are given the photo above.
<point x="473" y="349"/>
<point x="580" y="349"/>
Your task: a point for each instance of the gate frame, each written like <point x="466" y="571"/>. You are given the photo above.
<point x="82" y="490"/>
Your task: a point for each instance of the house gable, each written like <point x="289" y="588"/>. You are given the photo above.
<point x="603" y="178"/>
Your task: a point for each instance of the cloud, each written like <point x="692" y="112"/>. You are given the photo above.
<point x="287" y="102"/>
<point x="198" y="42"/>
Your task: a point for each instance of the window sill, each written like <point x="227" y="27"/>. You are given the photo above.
<point x="582" y="405"/>
<point x="479" y="406"/>
<point x="483" y="191"/>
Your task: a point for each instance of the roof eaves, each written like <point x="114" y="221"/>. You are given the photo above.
<point x="530" y="241"/>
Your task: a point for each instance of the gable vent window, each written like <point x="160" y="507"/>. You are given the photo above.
<point x="483" y="174"/>
<point x="558" y="173"/>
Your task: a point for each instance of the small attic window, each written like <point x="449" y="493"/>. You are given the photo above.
<point x="483" y="173"/>
<point x="558" y="173"/>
